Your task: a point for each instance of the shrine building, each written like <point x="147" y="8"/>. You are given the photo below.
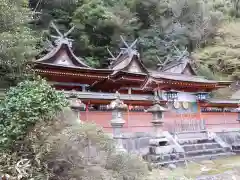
<point x="175" y="84"/>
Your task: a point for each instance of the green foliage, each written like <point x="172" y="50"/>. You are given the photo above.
<point x="160" y="24"/>
<point x="222" y="55"/>
<point x="93" y="151"/>
<point x="99" y="25"/>
<point x="163" y="26"/>
<point x="65" y="148"/>
<point x="18" y="43"/>
<point x="155" y="42"/>
<point x="180" y="24"/>
<point x="25" y="105"/>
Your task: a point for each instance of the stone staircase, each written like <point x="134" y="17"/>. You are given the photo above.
<point x="164" y="151"/>
<point x="165" y="158"/>
<point x="186" y="146"/>
<point x="232" y="138"/>
<point x="201" y="145"/>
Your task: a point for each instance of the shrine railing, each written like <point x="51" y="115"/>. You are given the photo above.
<point x="110" y="96"/>
<point x="191" y="125"/>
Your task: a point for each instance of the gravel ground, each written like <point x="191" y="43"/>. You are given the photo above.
<point x="220" y="169"/>
<point x="230" y="175"/>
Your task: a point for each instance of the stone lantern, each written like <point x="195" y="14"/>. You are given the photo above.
<point x="118" y="107"/>
<point x="157" y="117"/>
<point x="159" y="144"/>
<point x="76" y="104"/>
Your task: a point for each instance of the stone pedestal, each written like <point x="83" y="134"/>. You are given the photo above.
<point x="118" y="107"/>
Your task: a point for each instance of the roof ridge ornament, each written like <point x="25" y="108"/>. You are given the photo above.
<point x="181" y="54"/>
<point x="113" y="58"/>
<point x="62" y="37"/>
<point x="130" y="49"/>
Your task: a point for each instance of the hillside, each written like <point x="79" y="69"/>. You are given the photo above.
<point x="163" y="28"/>
<point x="208" y="30"/>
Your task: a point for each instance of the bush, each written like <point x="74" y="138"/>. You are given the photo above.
<point x="25" y="105"/>
<point x="83" y="151"/>
<point x="66" y="149"/>
<point x="45" y="146"/>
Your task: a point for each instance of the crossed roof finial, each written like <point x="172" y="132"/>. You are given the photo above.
<point x="181" y="54"/>
<point x="62" y="37"/>
<point x="128" y="48"/>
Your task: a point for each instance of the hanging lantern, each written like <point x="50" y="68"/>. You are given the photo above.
<point x="202" y="96"/>
<point x="172" y="95"/>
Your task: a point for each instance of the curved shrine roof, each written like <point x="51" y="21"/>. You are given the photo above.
<point x="179" y="77"/>
<point x="236" y="95"/>
<point x="179" y="66"/>
<point x="127" y="63"/>
<point x="63" y="56"/>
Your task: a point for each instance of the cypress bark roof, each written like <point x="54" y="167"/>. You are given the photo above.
<point x="236" y="95"/>
<point x="127" y="60"/>
<point x="180" y="77"/>
<point x="62" y="55"/>
<point x="179" y="66"/>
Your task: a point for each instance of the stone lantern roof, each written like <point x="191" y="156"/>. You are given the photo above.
<point x="156" y="107"/>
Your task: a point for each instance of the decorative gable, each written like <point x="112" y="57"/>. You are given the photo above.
<point x="63" y="59"/>
<point x="62" y="54"/>
<point x="134" y="67"/>
<point x="188" y="70"/>
<point x="181" y="66"/>
<point x="127" y="60"/>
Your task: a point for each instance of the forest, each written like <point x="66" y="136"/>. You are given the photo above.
<point x="208" y="30"/>
<point x="40" y="137"/>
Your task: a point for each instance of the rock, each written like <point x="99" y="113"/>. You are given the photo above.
<point x="172" y="166"/>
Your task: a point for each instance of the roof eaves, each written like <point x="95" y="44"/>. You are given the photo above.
<point x="52" y="53"/>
